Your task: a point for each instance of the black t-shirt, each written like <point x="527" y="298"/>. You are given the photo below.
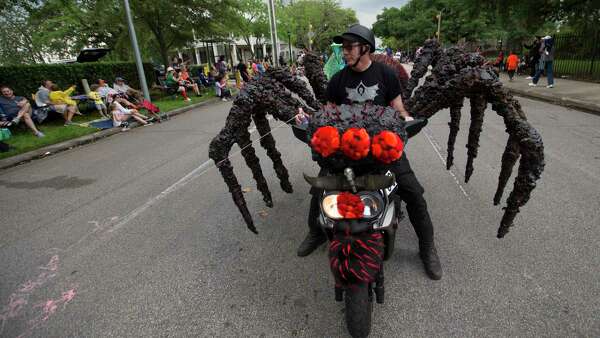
<point x="377" y="84"/>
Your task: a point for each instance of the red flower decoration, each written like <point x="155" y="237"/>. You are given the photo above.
<point x="356" y="143"/>
<point x="350" y="205"/>
<point x="387" y="147"/>
<point x="326" y="140"/>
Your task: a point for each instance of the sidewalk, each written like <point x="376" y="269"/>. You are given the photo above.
<point x="574" y="94"/>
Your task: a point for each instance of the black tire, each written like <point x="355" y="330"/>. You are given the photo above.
<point x="359" y="309"/>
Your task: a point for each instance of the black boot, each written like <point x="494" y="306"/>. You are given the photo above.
<point x="431" y="261"/>
<point x="315" y="236"/>
<point x="313" y="240"/>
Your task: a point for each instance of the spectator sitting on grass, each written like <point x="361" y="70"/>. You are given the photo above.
<point x="120" y="86"/>
<point x="202" y="80"/>
<point x="110" y="95"/>
<point x="125" y="91"/>
<point x="139" y="99"/>
<point x="221" y="88"/>
<point x="184" y="79"/>
<point x="172" y="81"/>
<point x="16" y="108"/>
<point x="66" y="109"/>
<point x="95" y="95"/>
<point x="121" y="114"/>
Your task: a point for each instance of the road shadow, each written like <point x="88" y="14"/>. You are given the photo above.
<point x="56" y="183"/>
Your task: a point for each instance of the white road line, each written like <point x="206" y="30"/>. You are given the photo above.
<point x="437" y="149"/>
<point x="203" y="168"/>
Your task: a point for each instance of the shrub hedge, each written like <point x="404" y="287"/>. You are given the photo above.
<point x="26" y="79"/>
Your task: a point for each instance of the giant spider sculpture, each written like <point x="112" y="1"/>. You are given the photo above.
<point x="455" y="75"/>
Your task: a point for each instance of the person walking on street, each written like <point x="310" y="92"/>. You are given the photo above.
<point x="512" y="63"/>
<point x="546" y="62"/>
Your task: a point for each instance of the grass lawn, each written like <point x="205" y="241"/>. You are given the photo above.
<point x="23" y="140"/>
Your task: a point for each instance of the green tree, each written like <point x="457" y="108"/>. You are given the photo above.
<point x="512" y="21"/>
<point x="325" y="18"/>
<point x="250" y="19"/>
<point x="18" y="43"/>
<point x="411" y="24"/>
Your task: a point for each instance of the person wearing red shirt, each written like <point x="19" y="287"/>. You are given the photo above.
<point x="512" y="63"/>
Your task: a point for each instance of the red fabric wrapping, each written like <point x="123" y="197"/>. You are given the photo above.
<point x="350" y="205"/>
<point x="356" y="143"/>
<point x="387" y="147"/>
<point x="326" y="141"/>
<point x="358" y="264"/>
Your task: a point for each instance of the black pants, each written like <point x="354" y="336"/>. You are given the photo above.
<point x="411" y="192"/>
<point x="534" y="66"/>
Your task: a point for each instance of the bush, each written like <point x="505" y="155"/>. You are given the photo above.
<point x="26" y="79"/>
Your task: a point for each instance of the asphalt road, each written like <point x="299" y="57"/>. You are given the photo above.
<point x="136" y="236"/>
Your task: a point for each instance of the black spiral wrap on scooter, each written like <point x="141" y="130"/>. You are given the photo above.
<point x="355" y="258"/>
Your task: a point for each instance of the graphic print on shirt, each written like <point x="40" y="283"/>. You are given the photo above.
<point x="362" y="93"/>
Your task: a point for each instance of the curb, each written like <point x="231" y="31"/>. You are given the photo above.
<point x="66" y="145"/>
<point x="587" y="107"/>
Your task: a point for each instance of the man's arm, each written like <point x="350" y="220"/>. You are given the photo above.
<point x="399" y="106"/>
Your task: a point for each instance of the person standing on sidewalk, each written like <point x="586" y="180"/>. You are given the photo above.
<point x="499" y="63"/>
<point x="512" y="63"/>
<point x="546" y="62"/>
<point x="534" y="56"/>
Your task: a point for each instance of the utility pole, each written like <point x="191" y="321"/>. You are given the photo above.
<point x="439" y="17"/>
<point x="290" y="47"/>
<point x="136" y="52"/>
<point x="310" y="35"/>
<point x="273" y="24"/>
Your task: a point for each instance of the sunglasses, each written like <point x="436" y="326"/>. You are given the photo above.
<point x="351" y="46"/>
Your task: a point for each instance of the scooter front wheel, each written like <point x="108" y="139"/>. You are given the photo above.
<point x="359" y="309"/>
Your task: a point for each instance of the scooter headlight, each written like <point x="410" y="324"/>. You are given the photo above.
<point x="372" y="201"/>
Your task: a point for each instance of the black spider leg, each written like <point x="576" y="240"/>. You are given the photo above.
<point x="430" y="52"/>
<point x="267" y="141"/>
<point x="531" y="149"/>
<point x="454" y="125"/>
<point x="245" y="143"/>
<point x="313" y="69"/>
<point x="218" y="151"/>
<point x="297" y="86"/>
<point x="435" y="95"/>
<point x="509" y="158"/>
<point x="478" y="105"/>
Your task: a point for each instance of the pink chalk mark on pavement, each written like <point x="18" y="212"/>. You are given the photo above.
<point x="18" y="300"/>
<point x="50" y="306"/>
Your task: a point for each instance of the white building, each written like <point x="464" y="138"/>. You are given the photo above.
<point x="234" y="50"/>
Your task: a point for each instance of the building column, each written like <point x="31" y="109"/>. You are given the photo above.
<point x="197" y="51"/>
<point x="264" y="50"/>
<point x="215" y="52"/>
<point x="234" y="54"/>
